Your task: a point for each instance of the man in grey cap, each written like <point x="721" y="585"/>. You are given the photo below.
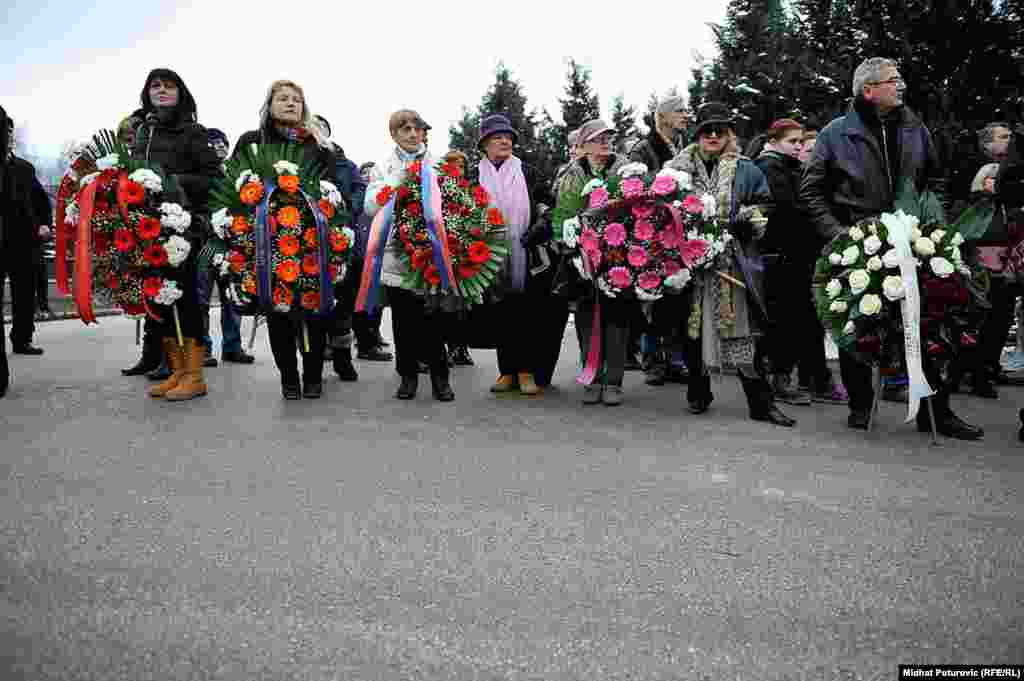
<point x="574" y="153"/>
<point x="668" y="131"/>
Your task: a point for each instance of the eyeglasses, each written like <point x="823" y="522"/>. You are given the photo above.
<point x="605" y="138"/>
<point x="895" y="80"/>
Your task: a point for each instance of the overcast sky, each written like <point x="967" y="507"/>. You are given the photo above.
<point x="72" y="69"/>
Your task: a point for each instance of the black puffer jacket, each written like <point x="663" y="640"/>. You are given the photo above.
<point x="174" y="140"/>
<point x="858" y="162"/>
<point x="652" y="151"/>
<point x="789" y="232"/>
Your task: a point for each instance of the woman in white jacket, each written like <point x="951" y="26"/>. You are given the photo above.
<point x="418" y="324"/>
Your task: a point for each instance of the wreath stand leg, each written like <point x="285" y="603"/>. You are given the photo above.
<point x="931" y="419"/>
<point x="876" y="380"/>
<point x="177" y="326"/>
<point x="305" y="336"/>
<point x="252" y="336"/>
<point x="138" y="331"/>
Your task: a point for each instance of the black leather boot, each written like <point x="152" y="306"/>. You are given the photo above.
<point x="343" y="364"/>
<point x="161" y="373"/>
<point x="946" y="422"/>
<point x="407" y="390"/>
<point x="760" y="401"/>
<point x="698" y="393"/>
<point x="152" y="355"/>
<point x="441" y="388"/>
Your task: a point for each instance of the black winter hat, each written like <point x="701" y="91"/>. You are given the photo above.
<point x="714" y="113"/>
<point x="186" y="108"/>
<point x="213" y="134"/>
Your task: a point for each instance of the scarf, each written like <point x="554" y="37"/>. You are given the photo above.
<point x="507" y="185"/>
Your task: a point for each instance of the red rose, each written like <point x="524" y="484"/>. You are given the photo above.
<point x="480" y="196"/>
<point x="414" y="209"/>
<point x="464" y="183"/>
<point x="403" y="192"/>
<point x="148" y="228"/>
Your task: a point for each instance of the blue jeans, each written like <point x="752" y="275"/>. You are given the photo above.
<point x="230" y="320"/>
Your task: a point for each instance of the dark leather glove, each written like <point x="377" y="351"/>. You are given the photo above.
<point x="537" y="234"/>
<point x="743" y="231"/>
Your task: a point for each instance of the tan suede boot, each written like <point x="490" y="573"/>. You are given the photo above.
<point x="192" y="383"/>
<point x="527" y="385"/>
<point x="175" y="362"/>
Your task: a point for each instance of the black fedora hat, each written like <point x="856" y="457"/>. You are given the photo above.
<point x="714" y="113"/>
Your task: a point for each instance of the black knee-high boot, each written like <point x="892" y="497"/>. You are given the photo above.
<point x="946" y="422"/>
<point x="759" y="399"/>
<point x="152" y="354"/>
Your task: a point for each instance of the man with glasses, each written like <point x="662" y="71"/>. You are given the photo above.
<point x="858" y="163"/>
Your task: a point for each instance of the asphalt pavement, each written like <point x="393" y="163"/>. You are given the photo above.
<point x="360" y="538"/>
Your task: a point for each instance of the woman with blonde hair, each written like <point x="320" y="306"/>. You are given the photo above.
<point x="286" y="118"/>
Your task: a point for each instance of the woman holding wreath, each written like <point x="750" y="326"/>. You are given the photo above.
<point x="597" y="161"/>
<point x="171" y="138"/>
<point x="727" y="301"/>
<point x="418" y="317"/>
<point x="285" y="118"/>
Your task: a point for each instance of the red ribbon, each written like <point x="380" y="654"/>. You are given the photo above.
<point x="61" y="245"/>
<point x="83" y="256"/>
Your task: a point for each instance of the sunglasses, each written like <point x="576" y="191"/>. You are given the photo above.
<point x="714" y="131"/>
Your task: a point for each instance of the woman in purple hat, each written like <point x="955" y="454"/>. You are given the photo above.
<point x="525" y="357"/>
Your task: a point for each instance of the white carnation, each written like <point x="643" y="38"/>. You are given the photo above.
<point x="168" y="294"/>
<point x="856" y="233"/>
<point x="874" y="263"/>
<point x="286" y="168"/>
<point x="873" y="227"/>
<point x="330" y="192"/>
<point x="870" y="304"/>
<point x="941" y="267"/>
<point x="891" y="259"/>
<point x="892" y="288"/>
<point x="245" y="177"/>
<point x="835" y="258"/>
<point x="592" y="185"/>
<point x="924" y="247"/>
<point x="109" y="161"/>
<point x="916" y="234"/>
<point x="849" y="328"/>
<point x="634" y="169"/>
<point x="71" y="213"/>
<point x="177" y="250"/>
<point x="937" y="235"/>
<point x="571" y="232"/>
<point x="859" y="280"/>
<point x="682" y="178"/>
<point x="872" y="244"/>
<point x="148" y="179"/>
<point x="850" y="255"/>
<point x="838" y="306"/>
<point x="834" y="288"/>
<point x="221" y="221"/>
<point x="679" y="279"/>
<point x="87" y="179"/>
<point x="174" y="217"/>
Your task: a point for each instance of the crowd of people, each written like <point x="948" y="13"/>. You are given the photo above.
<point x="811" y="183"/>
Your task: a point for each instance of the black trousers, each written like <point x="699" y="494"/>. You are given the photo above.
<point x="516" y="350"/>
<point x="345" y="319"/>
<point x="286" y="337"/>
<point x="5" y="372"/>
<point x="22" y="276"/>
<point x="795" y="336"/>
<point x="190" y="313"/>
<point x="419" y="334"/>
<point x="994" y="330"/>
<point x="616" y="316"/>
<point x="42" y="283"/>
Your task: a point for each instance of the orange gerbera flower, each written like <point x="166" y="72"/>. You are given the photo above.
<point x="249" y="284"/>
<point x="311" y="300"/>
<point x="240" y="225"/>
<point x="282" y="296"/>
<point x="310" y="265"/>
<point x="338" y="242"/>
<point x="479" y="252"/>
<point x="251" y="193"/>
<point x="288" y="271"/>
<point x="131" y="192"/>
<point x="310" y="238"/>
<point x="288" y="244"/>
<point x="148" y="228"/>
<point x="326" y="208"/>
<point x="494" y="216"/>
<point x="288" y="216"/>
<point x="237" y="261"/>
<point x="289" y="183"/>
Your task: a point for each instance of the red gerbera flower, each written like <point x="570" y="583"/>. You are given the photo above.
<point x="468" y="271"/>
<point x="480" y="196"/>
<point x="479" y="252"/>
<point x="151" y="286"/>
<point x="282" y="296"/>
<point x="311" y="300"/>
<point x="494" y="216"/>
<point x="148" y="228"/>
<point x="420" y="259"/>
<point x="288" y="245"/>
<point x="124" y="240"/>
<point x="416" y="167"/>
<point x="155" y="256"/>
<point x="384" y="195"/>
<point x="432" y="276"/>
<point x="131" y="192"/>
<point x="326" y="208"/>
<point x="338" y="242"/>
<point x="237" y="261"/>
<point x="404" y="192"/>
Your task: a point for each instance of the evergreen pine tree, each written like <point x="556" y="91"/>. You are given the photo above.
<point x="624" y="121"/>
<point x="581" y="103"/>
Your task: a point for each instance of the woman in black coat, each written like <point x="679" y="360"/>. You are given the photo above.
<point x="285" y="118"/>
<point x="171" y="138"/>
